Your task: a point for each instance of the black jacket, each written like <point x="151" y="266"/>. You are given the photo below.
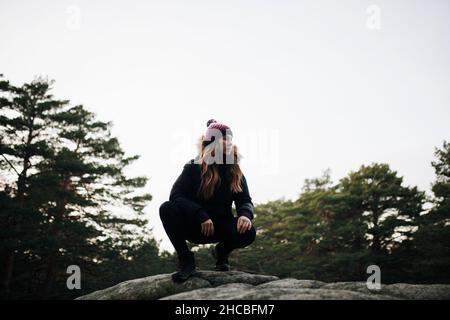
<point x="184" y="191"/>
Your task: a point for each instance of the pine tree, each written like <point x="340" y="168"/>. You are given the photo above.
<point x="389" y="209"/>
<point x="86" y="176"/>
<point x="26" y="137"/>
<point x="430" y="247"/>
<point x="65" y="196"/>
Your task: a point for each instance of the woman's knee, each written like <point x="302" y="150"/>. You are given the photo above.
<point x="251" y="234"/>
<point x="166" y="210"/>
<point x="248" y="237"/>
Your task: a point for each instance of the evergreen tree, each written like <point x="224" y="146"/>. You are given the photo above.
<point x="429" y="251"/>
<point x="66" y="199"/>
<point x="388" y="209"/>
<point x="26" y="136"/>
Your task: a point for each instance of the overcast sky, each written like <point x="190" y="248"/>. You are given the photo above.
<point x="304" y="85"/>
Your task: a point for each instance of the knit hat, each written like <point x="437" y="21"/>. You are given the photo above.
<point x="211" y="131"/>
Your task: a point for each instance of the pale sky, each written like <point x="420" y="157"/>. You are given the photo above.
<point x="304" y="85"/>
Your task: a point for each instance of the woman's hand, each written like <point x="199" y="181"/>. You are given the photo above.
<point x="243" y="224"/>
<point x="208" y="228"/>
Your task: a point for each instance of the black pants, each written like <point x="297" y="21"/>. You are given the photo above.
<point x="181" y="227"/>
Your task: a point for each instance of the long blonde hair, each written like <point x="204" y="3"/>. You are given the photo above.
<point x="210" y="178"/>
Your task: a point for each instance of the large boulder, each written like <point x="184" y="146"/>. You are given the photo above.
<point x="238" y="285"/>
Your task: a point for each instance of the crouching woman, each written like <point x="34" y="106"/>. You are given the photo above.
<point x="199" y="208"/>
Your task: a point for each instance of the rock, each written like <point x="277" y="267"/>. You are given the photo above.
<point x="350" y="286"/>
<point x="399" y="290"/>
<point x="241" y="291"/>
<point x="217" y="278"/>
<point x="418" y="291"/>
<point x="227" y="291"/>
<point x="239" y="285"/>
<point x="292" y="283"/>
<point x="148" y="288"/>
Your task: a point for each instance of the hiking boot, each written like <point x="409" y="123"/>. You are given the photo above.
<point x="222" y="263"/>
<point x="185" y="269"/>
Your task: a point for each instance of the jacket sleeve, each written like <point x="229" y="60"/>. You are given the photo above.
<point x="181" y="195"/>
<point x="243" y="201"/>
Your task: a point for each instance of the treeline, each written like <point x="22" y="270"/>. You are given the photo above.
<point x="65" y="199"/>
<point x="334" y="231"/>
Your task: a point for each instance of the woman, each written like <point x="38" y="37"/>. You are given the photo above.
<point x="199" y="206"/>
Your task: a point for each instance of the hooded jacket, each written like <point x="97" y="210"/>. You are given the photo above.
<point x="184" y="194"/>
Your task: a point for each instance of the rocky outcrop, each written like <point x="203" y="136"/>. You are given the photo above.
<point x="237" y="285"/>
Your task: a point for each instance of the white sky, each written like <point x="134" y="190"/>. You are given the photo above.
<point x="304" y="85"/>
